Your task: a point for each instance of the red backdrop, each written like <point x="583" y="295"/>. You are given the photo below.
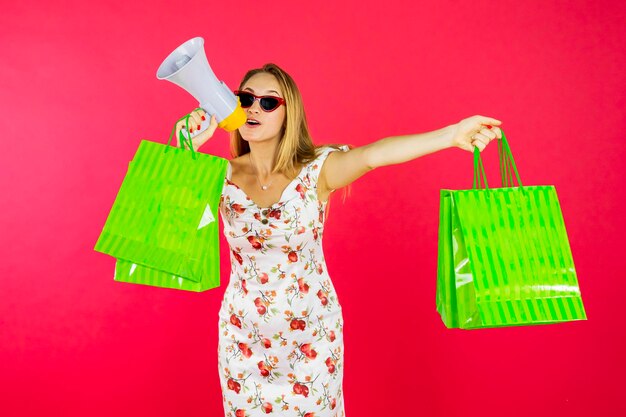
<point x="78" y="92"/>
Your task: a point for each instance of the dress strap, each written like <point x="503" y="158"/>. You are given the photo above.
<point x="229" y="171"/>
<point x="315" y="166"/>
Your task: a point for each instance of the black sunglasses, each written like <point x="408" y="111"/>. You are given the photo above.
<point x="268" y="103"/>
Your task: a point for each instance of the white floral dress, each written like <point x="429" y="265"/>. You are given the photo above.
<point x="280" y="345"/>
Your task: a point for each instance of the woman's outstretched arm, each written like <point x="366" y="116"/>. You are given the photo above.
<point x="342" y="168"/>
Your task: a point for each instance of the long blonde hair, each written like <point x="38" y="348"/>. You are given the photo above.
<point x="295" y="147"/>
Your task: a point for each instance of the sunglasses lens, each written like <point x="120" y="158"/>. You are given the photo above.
<point x="245" y="99"/>
<point x="269" y="103"/>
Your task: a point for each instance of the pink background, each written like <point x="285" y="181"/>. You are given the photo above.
<point x="78" y="92"/>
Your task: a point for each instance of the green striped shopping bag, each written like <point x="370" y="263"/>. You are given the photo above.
<point x="163" y="227"/>
<point x="504" y="257"/>
<point x="127" y="271"/>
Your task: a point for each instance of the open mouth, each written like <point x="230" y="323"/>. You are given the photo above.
<point x="252" y="123"/>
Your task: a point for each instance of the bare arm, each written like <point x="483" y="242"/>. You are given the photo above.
<point x="398" y="149"/>
<point x="343" y="168"/>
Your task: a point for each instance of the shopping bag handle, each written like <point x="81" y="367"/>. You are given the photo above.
<point x="183" y="140"/>
<point x="507" y="166"/>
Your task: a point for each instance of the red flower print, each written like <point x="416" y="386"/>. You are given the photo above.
<point x="237" y="257"/>
<point x="238" y="208"/>
<point x="267" y="407"/>
<point x="322" y="296"/>
<point x="301" y="189"/>
<point x="243" y="347"/>
<point x="260" y="307"/>
<point x="304" y="287"/>
<point x="308" y="351"/>
<point x="255" y="242"/>
<point x="301" y="389"/>
<point x="234" y="385"/>
<point x="263" y="368"/>
<point x="330" y="363"/>
<point x="297" y="324"/>
<point x="235" y="320"/>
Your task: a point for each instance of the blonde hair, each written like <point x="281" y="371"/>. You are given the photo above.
<point x="295" y="148"/>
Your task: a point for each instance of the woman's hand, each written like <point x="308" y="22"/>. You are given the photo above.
<point x="475" y="131"/>
<point x="195" y="120"/>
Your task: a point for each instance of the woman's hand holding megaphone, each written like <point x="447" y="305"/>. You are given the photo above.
<point x="195" y="121"/>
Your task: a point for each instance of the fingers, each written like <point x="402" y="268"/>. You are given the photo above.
<point x="479" y="140"/>
<point x="180" y="125"/>
<point x="199" y="115"/>
<point x="489" y="126"/>
<point x="206" y="134"/>
<point x="498" y="132"/>
<point x="479" y="132"/>
<point x="482" y="139"/>
<point x="480" y="145"/>
<point x="193" y="121"/>
<point x="486" y="134"/>
<point x="213" y="125"/>
<point x="488" y="120"/>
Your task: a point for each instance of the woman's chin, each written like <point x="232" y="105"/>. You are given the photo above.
<point x="254" y="138"/>
<point x="246" y="136"/>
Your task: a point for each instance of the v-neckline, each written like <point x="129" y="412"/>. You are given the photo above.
<point x="282" y="195"/>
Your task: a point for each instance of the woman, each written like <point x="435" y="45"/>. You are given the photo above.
<point x="281" y="342"/>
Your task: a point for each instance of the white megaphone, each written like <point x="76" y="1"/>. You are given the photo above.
<point x="188" y="68"/>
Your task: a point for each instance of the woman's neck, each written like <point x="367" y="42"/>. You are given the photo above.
<point x="262" y="155"/>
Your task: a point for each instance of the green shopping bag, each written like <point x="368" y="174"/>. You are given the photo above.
<point x="504" y="257"/>
<point x="126" y="271"/>
<point x="163" y="225"/>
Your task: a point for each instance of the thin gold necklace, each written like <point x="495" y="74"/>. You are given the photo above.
<point x="263" y="187"/>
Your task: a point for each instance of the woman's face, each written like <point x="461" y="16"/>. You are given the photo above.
<point x="263" y="84"/>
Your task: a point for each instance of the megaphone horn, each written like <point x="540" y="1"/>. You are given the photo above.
<point x="188" y="68"/>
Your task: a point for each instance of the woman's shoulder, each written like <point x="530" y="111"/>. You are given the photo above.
<point x="236" y="165"/>
<point x="325" y="149"/>
<point x="237" y="160"/>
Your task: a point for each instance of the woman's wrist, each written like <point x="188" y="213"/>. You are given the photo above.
<point x="448" y="136"/>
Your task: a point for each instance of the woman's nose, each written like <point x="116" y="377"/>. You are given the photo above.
<point x="256" y="105"/>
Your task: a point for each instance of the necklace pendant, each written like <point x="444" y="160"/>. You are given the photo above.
<point x="264" y="187"/>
